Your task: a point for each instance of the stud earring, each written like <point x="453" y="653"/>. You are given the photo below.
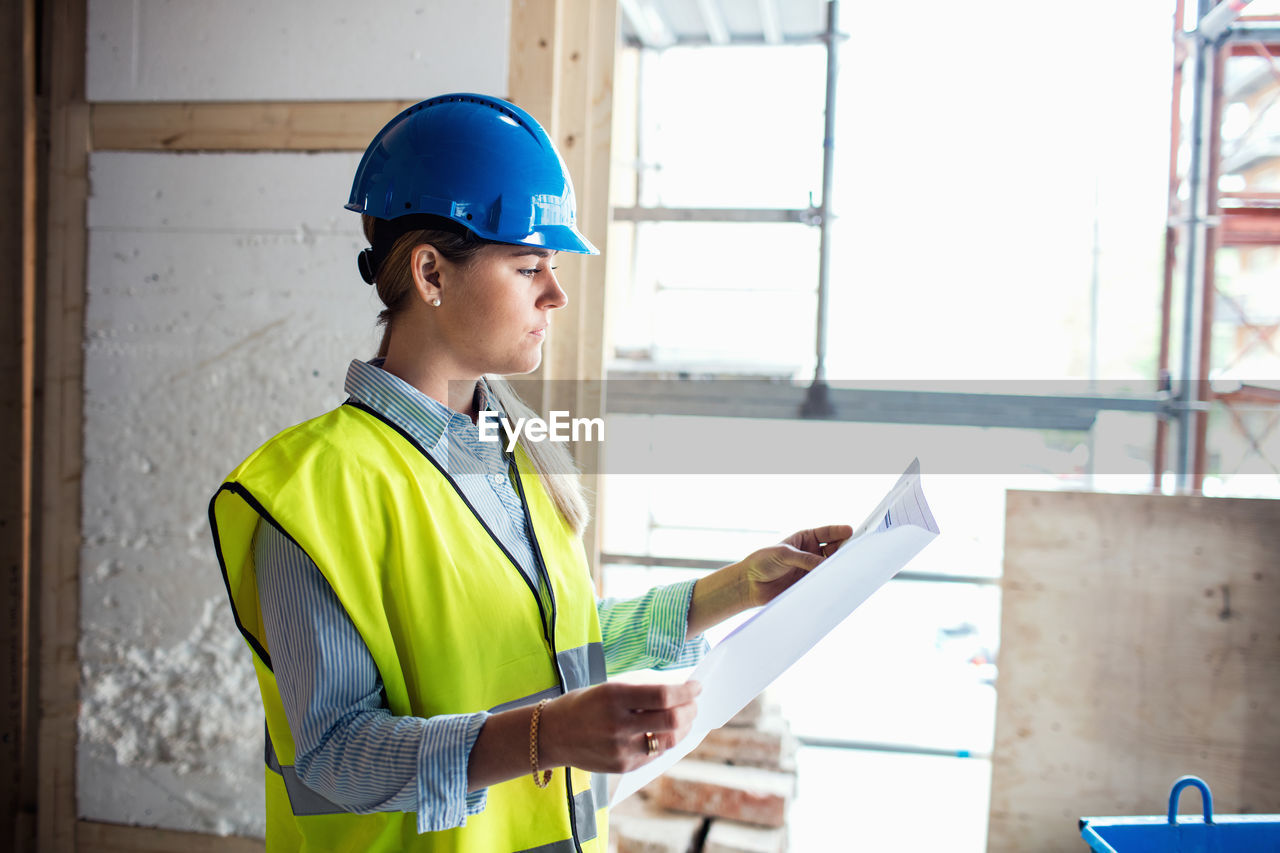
<point x="436" y="302"/>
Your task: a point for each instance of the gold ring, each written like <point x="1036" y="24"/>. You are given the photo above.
<point x="652" y="740"/>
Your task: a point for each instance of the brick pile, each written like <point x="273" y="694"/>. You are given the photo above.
<point x="730" y="795"/>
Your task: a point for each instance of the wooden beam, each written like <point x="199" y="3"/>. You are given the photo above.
<point x="534" y="61"/>
<point x="594" y="201"/>
<point x="561" y="71"/>
<point x="97" y="837"/>
<point x="235" y="126"/>
<point x="60" y="393"/>
<point x="17" y="361"/>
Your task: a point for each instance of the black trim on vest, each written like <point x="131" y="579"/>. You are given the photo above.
<point x="542" y="567"/>
<point x="547" y="626"/>
<point x="245" y="495"/>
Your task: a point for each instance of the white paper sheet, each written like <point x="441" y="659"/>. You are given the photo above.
<point x="780" y="633"/>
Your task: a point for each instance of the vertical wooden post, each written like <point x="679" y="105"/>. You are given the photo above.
<point x="17" y="361"/>
<point x="60" y="396"/>
<point x="562" y="54"/>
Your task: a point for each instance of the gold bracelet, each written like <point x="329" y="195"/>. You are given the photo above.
<point x="545" y="778"/>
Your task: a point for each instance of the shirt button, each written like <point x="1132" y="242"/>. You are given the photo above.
<point x="497" y="479"/>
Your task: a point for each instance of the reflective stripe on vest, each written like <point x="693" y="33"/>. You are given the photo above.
<point x="448" y="618"/>
<point x="582" y="667"/>
<point x="305" y="802"/>
<point x="302" y="800"/>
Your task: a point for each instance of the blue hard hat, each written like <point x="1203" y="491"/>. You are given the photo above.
<point x="480" y="161"/>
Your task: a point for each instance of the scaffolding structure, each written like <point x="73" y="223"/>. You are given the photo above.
<point x="1198" y="225"/>
<point x="1203" y="220"/>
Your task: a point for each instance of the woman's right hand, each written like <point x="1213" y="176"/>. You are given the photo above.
<point x="605" y="728"/>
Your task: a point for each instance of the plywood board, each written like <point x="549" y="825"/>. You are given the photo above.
<point x="1139" y="642"/>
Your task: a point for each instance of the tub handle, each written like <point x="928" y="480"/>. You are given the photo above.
<point x="1205" y="797"/>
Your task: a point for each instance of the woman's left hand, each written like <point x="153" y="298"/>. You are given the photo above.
<point x="761" y="576"/>
<point x="769" y="571"/>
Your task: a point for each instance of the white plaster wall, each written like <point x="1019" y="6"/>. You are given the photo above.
<point x="318" y="50"/>
<point x="223" y="305"/>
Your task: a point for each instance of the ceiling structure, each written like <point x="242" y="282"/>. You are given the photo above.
<point x="658" y="24"/>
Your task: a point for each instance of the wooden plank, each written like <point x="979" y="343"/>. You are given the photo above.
<point x="97" y="837"/>
<point x="532" y="80"/>
<point x="17" y="360"/>
<point x="60" y="421"/>
<point x="236" y="126"/>
<point x="25" y="836"/>
<point x="561" y="71"/>
<point x="533" y="83"/>
<point x="1139" y="643"/>
<point x="564" y="358"/>
<point x="594" y="204"/>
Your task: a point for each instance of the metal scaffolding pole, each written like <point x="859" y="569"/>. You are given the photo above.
<point x="1214" y="22"/>
<point x="1191" y="260"/>
<point x="817" y="403"/>
<point x="1213" y="27"/>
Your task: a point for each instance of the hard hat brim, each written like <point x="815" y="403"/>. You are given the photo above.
<point x="557" y="238"/>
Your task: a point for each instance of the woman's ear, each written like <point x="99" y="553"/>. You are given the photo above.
<point x="425" y="263"/>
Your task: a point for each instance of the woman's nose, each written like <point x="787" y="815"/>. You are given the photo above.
<point x="554" y="296"/>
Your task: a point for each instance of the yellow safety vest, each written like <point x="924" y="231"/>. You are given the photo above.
<point x="452" y="623"/>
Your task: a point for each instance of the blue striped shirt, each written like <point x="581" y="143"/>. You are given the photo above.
<point x="349" y="747"/>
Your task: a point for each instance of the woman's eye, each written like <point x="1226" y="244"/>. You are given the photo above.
<point x="529" y="272"/>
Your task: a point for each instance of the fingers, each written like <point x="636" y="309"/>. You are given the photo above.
<point x="653" y="744"/>
<point x="834" y="536"/>
<point x="833" y="532"/>
<point x="790" y="557"/>
<point x="666" y="710"/>
<point x="638" y="722"/>
<point x="821" y="541"/>
<point x="678" y="719"/>
<point x="638" y="698"/>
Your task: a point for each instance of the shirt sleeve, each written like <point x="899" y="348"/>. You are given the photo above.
<point x="350" y="749"/>
<point x="649" y="632"/>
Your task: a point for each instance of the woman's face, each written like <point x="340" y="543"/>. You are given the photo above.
<point x="494" y="310"/>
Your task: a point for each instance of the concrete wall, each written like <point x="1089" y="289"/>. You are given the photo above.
<point x="223" y="305"/>
<point x="290" y="50"/>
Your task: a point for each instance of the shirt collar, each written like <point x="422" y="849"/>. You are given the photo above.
<point x="423" y="417"/>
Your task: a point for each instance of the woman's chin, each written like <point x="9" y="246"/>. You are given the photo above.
<point x="523" y="366"/>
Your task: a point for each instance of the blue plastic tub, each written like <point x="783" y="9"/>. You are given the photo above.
<point x="1171" y="834"/>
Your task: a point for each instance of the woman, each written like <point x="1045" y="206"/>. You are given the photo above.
<point x="418" y="603"/>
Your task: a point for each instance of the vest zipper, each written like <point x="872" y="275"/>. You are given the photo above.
<point x="555" y="655"/>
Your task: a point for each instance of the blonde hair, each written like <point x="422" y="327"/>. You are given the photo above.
<point x="394" y="283"/>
